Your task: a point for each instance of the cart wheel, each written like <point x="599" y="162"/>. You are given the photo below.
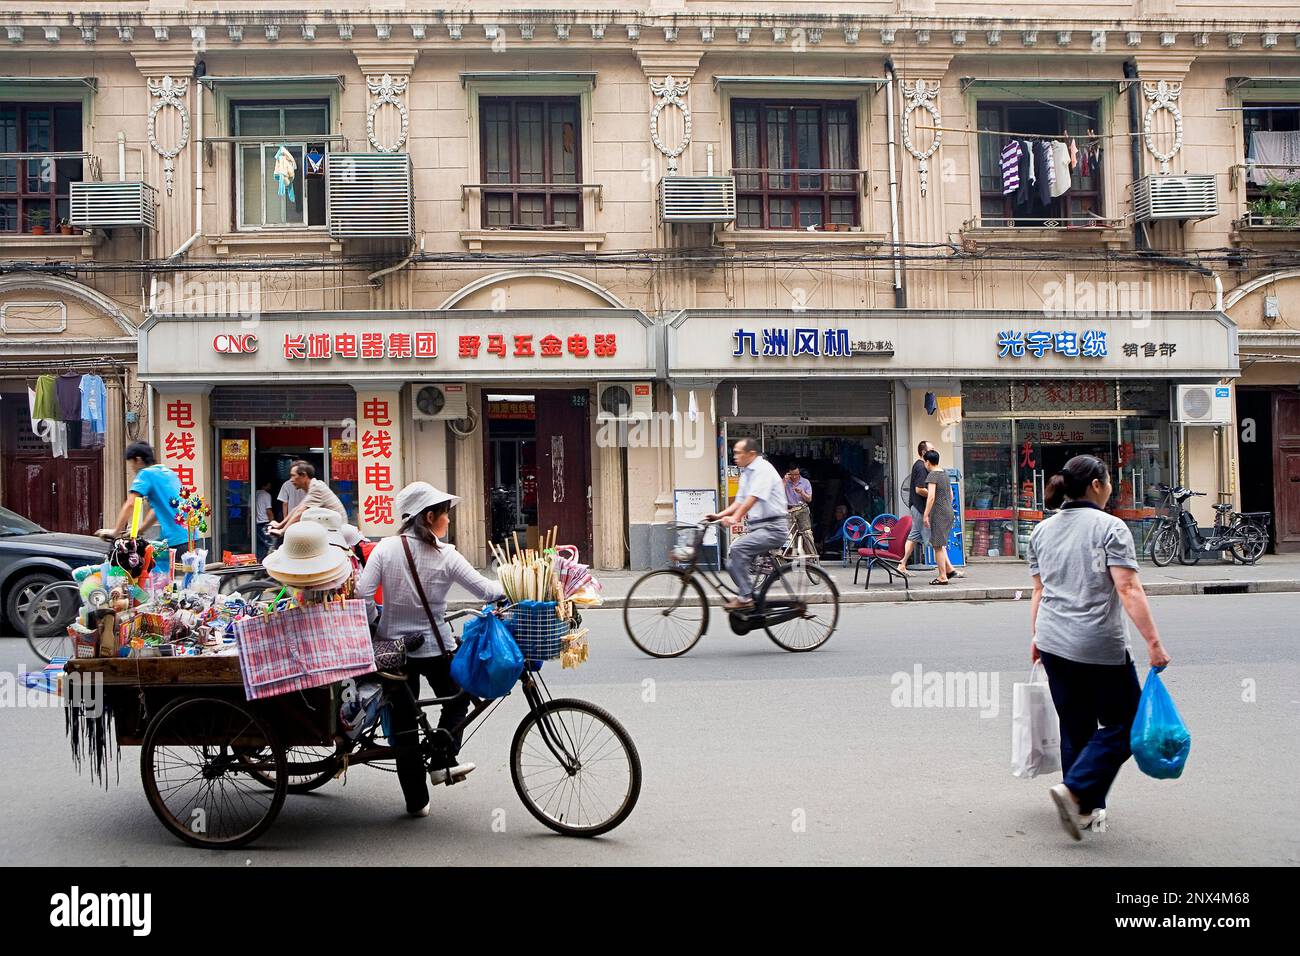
<point x="310" y="768"/>
<point x="575" y="768"/>
<point x="197" y="782"/>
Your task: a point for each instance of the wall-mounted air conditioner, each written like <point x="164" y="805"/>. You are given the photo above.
<point x="697" y="199"/>
<point x="623" y="401"/>
<point x="438" y="402"/>
<point x="1204" y="405"/>
<point x="369" y="196"/>
<point x="1175" y="197"/>
<point x="111" y="205"/>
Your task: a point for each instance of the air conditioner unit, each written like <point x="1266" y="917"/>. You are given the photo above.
<point x="1175" y="197"/>
<point x="1204" y="405"/>
<point x="624" y="401"/>
<point x="369" y="196"/>
<point x="111" y="205"/>
<point x="697" y="199"/>
<point x="438" y="402"/>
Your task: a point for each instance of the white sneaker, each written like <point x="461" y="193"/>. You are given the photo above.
<point x="1067" y="807"/>
<point x="422" y="812"/>
<point x="452" y="774"/>
<point x="1094" y="821"/>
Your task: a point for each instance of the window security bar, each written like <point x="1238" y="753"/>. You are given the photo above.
<point x="1242" y="170"/>
<point x="532" y="188"/>
<point x="820" y="173"/>
<point x="90" y="159"/>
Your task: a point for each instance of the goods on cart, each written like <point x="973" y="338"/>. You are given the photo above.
<point x="546" y="587"/>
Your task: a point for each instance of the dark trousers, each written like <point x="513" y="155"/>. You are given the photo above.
<point x="1096" y="704"/>
<point x="403" y="723"/>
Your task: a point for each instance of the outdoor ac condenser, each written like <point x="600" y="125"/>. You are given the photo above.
<point x="623" y="401"/>
<point x="438" y="402"/>
<point x="1204" y="405"/>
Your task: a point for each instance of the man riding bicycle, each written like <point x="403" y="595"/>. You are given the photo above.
<point x="761" y="504"/>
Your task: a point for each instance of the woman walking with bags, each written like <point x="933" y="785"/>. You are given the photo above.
<point x="1085" y="579"/>
<point x="416" y="569"/>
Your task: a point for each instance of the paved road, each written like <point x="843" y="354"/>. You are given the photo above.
<point x="753" y="755"/>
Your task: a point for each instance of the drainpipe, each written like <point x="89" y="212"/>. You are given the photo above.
<point x="121" y="156"/>
<point x="1135" y="145"/>
<point x="198" y="147"/>
<point x="900" y="295"/>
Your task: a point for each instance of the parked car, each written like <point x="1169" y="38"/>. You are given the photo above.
<point x="31" y="558"/>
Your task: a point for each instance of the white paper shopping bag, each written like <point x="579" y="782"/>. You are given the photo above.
<point x="1035" y="729"/>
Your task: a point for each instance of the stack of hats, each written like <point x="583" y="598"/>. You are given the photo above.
<point x="308" y="560"/>
<point x="341" y="535"/>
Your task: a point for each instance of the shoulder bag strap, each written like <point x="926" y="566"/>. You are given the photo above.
<point x="419" y="589"/>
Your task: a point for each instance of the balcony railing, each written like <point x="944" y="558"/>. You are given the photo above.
<point x="43" y="207"/>
<point x="1273" y="204"/>
<point x="1051" y="222"/>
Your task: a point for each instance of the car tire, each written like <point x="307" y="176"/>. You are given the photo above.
<point x="22" y="590"/>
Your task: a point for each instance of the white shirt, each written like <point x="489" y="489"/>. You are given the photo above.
<point x="760" y="480"/>
<point x="403" y="613"/>
<point x="262" y="507"/>
<point x="291" y="496"/>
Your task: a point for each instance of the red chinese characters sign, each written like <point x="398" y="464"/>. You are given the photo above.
<point x="378" y="461"/>
<point x="182" y="447"/>
<point x="423" y="344"/>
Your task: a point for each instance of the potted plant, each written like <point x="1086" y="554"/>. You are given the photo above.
<point x="65" y="227"/>
<point x="37" y="220"/>
<point x="1279" y="206"/>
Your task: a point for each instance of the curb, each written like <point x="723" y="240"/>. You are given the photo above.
<point x="926" y="593"/>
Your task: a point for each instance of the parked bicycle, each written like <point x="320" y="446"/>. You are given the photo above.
<point x="1244" y="535"/>
<point x="666" y="612"/>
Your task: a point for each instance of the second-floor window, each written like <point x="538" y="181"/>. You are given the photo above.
<point x="532" y="148"/>
<point x="34" y="192"/>
<point x="1272" y="142"/>
<point x="787" y="137"/>
<point x="262" y="202"/>
<point x="1015" y="191"/>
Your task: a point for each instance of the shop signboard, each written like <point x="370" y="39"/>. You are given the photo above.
<point x="234" y="459"/>
<point x="693" y="505"/>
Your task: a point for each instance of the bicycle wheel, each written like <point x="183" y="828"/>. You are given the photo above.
<point x="676" y="616"/>
<point x="1164" y="544"/>
<point x="303" y="767"/>
<point x="196" y="779"/>
<point x="1251" y="543"/>
<point x="808" y="591"/>
<point x="575" y="768"/>
<point x="46" y="616"/>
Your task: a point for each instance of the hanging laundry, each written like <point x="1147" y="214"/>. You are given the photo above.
<point x="49" y="430"/>
<point x="1046" y="174"/>
<point x="1011" y="167"/>
<point x="94" y="400"/>
<point x="1061" y="169"/>
<point x="286" y="168"/>
<point x="1274" y="149"/>
<point x="1074" y="152"/>
<point x="1084" y="164"/>
<point x="1029" y="151"/>
<point x="67" y="389"/>
<point x="90" y="438"/>
<point x="46" y="404"/>
<point x="1026" y="166"/>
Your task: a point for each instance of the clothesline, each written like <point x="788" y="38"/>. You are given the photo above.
<point x="1035" y="136"/>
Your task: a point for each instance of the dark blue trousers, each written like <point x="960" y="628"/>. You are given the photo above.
<point x="1096" y="704"/>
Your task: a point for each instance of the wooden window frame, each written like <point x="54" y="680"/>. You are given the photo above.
<point x="514" y="188"/>
<point x="766" y="192"/>
<point x="24" y="199"/>
<point x="1078" y="202"/>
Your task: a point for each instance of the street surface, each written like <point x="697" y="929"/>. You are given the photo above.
<point x="752" y="755"/>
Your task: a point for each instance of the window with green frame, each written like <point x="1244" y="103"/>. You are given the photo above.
<point x="291" y="124"/>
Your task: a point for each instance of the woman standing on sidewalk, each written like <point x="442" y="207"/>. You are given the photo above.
<point x="1085" y="568"/>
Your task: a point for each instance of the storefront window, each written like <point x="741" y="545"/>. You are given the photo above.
<point x="990" y="488"/>
<point x="237" y="492"/>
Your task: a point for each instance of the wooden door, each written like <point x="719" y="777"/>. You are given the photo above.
<point x="59" y="494"/>
<point x="1286" y="469"/>
<point x="564" y="467"/>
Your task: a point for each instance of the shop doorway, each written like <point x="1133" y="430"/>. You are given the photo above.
<point x="257" y="458"/>
<point x="59" y="494"/>
<point x="537" y="461"/>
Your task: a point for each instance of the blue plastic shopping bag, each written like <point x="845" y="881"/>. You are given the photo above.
<point x="1160" y="740"/>
<point x="488" y="661"/>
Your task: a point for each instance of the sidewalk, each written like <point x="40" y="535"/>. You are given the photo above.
<point x="1009" y="580"/>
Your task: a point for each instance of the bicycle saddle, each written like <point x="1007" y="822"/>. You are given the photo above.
<point x="1223" y="508"/>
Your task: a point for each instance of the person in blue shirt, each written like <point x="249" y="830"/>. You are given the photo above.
<point x="158" y="485"/>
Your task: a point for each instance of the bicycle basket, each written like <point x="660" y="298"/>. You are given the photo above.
<point x="686" y="541"/>
<point x="537" y="629"/>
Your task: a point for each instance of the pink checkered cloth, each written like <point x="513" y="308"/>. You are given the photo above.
<point x="303" y="648"/>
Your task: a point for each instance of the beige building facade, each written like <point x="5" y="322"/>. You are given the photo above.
<point x="556" y="259"/>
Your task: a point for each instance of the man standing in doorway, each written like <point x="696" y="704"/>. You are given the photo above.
<point x="916" y="495"/>
<point x="798" y="498"/>
<point x="316" y="494"/>
<point x="159" y="487"/>
<point x="761" y="504"/>
<point x="263" y="515"/>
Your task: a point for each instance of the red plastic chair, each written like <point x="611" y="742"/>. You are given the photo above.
<point x="887" y="553"/>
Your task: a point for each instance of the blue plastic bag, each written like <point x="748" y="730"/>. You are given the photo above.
<point x="488" y="661"/>
<point x="1160" y="740"/>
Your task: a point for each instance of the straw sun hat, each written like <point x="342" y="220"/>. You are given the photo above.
<point x="343" y="535"/>
<point x="306" y="557"/>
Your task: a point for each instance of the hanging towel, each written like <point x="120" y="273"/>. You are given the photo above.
<point x="1046" y="176"/>
<point x="47" y="403"/>
<point x="1061" y="169"/>
<point x="1029" y="151"/>
<point x="54" y="433"/>
<point x="94" y="400"/>
<point x="1011" y="167"/>
<point x="1073" y="147"/>
<point x="286" y="167"/>
<point x="67" y="389"/>
<point x="1274" y="149"/>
